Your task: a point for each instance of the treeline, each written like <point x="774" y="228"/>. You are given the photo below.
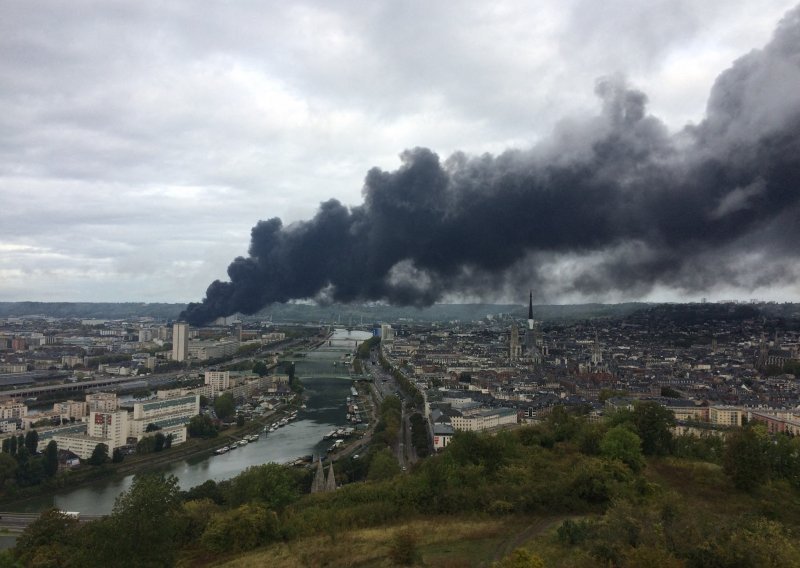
<point x="22" y="466"/>
<point x="406" y="385"/>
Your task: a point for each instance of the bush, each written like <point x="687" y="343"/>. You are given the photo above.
<point x="403" y="548"/>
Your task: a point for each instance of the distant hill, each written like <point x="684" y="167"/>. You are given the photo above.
<point x="332" y="313"/>
<point x="100" y="310"/>
<point x="355" y="314"/>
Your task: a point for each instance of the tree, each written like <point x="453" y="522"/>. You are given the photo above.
<point x="271" y="484"/>
<point x="382" y="466"/>
<point x="50" y="459"/>
<point x="403" y="549"/>
<point x="51" y="535"/>
<point x="654" y="425"/>
<point x="146" y="445"/>
<point x="260" y="368"/>
<point x="6" y="445"/>
<point x="12" y="445"/>
<point x="201" y="426"/>
<point x="621" y="444"/>
<point x="99" y="455"/>
<point x="117" y="456"/>
<point x="745" y="458"/>
<point x="8" y="468"/>
<point x="224" y="406"/>
<point x="144" y="522"/>
<point x="240" y="529"/>
<point x="240" y="420"/>
<point x="152" y="427"/>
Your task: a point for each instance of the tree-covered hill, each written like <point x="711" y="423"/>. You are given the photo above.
<point x="567" y="492"/>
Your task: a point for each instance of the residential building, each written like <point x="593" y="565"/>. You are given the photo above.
<point x="180" y="341"/>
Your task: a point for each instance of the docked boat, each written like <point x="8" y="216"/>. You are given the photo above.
<point x="222" y="450"/>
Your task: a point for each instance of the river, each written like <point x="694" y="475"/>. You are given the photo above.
<point x="325" y="410"/>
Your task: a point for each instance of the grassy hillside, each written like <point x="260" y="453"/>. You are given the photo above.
<point x="568" y="492"/>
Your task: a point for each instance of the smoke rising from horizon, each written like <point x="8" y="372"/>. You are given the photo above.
<point x="611" y="204"/>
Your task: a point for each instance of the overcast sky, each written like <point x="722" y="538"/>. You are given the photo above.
<point x="140" y="141"/>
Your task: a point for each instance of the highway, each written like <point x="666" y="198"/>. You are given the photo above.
<point x="18" y="522"/>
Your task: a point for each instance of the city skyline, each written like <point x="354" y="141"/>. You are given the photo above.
<point x="140" y="146"/>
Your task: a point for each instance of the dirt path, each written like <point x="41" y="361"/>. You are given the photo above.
<point x="530" y="531"/>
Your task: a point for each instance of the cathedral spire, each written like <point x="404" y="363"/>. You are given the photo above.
<point x="530" y="306"/>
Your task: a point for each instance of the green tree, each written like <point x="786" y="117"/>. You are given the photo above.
<point x="12" y="445"/>
<point x="158" y="443"/>
<point x="654" y="425"/>
<point x="194" y="518"/>
<point x="50" y="459"/>
<point x="51" y="536"/>
<point x="117" y="456"/>
<point x="99" y="455"/>
<point x="201" y="426"/>
<point x="240" y="529"/>
<point x="260" y="368"/>
<point x="8" y="468"/>
<point x="271" y="484"/>
<point x="240" y="420"/>
<point x="404" y="549"/>
<point x="224" y="406"/>
<point x="745" y="459"/>
<point x="382" y="466"/>
<point x="146" y="445"/>
<point x="6" y="445"/>
<point x="144" y="522"/>
<point x="619" y="443"/>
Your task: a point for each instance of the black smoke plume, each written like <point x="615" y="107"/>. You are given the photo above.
<point x="612" y="204"/>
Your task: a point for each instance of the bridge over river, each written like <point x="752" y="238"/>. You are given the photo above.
<point x="332" y="358"/>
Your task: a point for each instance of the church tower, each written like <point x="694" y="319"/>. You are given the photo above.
<point x="531" y="349"/>
<point x="514" y="348"/>
<point x="319" y="478"/>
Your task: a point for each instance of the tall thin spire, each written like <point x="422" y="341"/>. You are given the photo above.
<point x="330" y="483"/>
<point x="530" y="306"/>
<point x="319" y="478"/>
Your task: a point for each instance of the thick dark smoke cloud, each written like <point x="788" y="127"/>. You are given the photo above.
<point x="616" y="203"/>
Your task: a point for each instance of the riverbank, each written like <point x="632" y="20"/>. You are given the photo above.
<point x="192" y="448"/>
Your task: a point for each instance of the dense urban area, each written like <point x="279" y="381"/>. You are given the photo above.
<point x="712" y="383"/>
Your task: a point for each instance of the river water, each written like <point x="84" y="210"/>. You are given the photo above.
<point x="325" y="410"/>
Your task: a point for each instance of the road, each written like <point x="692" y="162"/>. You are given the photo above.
<point x="18" y="522"/>
<point x="385" y="385"/>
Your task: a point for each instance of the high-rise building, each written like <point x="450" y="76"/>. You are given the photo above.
<point x="180" y="341"/>
<point x="219" y="381"/>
